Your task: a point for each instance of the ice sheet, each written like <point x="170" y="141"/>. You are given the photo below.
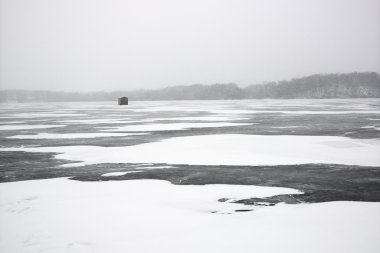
<point x="229" y="149"/>
<point x="372" y="127"/>
<point x="170" y="126"/>
<point x="156" y="167"/>
<point x="286" y="127"/>
<point x="11" y="122"/>
<point x="296" y="112"/>
<point x="24" y="127"/>
<point x="95" y="121"/>
<point x="70" y="135"/>
<point x="200" y="118"/>
<point x="155" y="216"/>
<point x="45" y="115"/>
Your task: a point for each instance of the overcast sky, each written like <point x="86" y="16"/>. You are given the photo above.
<point x="119" y="44"/>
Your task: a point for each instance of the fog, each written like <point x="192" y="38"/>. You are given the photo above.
<point x="89" y="45"/>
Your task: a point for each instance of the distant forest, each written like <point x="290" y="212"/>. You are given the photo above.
<point x="351" y="85"/>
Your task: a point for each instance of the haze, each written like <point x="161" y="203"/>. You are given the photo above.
<point x="88" y="45"/>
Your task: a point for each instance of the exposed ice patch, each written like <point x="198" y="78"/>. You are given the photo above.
<point x="12" y="122"/>
<point x="22" y="127"/>
<point x="296" y="112"/>
<point x="156" y="167"/>
<point x="287" y="127"/>
<point x="45" y="115"/>
<point x="95" y="121"/>
<point x="229" y="149"/>
<point x="231" y="111"/>
<point x="372" y="127"/>
<point x="71" y="135"/>
<point x="170" y="126"/>
<point x="199" y="118"/>
<point x="169" y="109"/>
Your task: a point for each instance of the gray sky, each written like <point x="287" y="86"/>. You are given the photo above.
<point x="119" y="44"/>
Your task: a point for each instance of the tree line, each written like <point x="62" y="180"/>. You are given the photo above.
<point x="350" y="85"/>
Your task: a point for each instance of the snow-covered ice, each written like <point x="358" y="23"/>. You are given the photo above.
<point x="61" y="215"/>
<point x="229" y="149"/>
<point x="156" y="216"/>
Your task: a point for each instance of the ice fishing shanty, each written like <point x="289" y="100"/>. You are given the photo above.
<point x="122" y="101"/>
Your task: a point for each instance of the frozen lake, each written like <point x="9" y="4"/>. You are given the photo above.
<point x="191" y="176"/>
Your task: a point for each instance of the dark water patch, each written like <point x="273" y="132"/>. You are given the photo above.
<point x="319" y="182"/>
<point x="243" y="210"/>
<point x="271" y="201"/>
<point x="18" y="166"/>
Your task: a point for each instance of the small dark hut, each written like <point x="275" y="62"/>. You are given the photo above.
<point x="123" y="101"/>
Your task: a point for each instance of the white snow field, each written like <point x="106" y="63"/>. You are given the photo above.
<point x="60" y="215"/>
<point x="228" y="149"/>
